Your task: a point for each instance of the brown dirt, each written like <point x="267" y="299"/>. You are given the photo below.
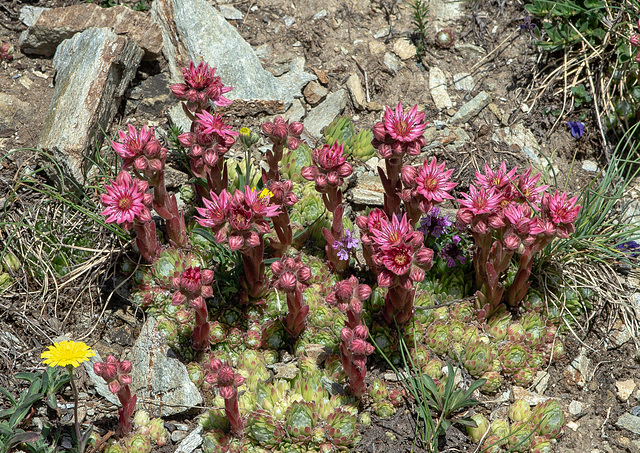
<point x="32" y="317"/>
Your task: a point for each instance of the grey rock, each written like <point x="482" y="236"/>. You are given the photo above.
<point x="471" y="108"/>
<point x="463" y="81"/>
<point x="576" y="408"/>
<point x="404" y="49"/>
<point x="55" y="25"/>
<point x="524" y="139"/>
<point x="161" y="381"/>
<point x="541" y="382"/>
<point x="296" y="112"/>
<point x="230" y="13"/>
<point x="29" y="14"/>
<point x="177" y="436"/>
<point x="624" y="389"/>
<point x="320" y="15"/>
<point x="295" y="80"/>
<point x="580" y="371"/>
<point x="381" y="33"/>
<point x="263" y="51"/>
<point x="368" y="191"/>
<point x="357" y="92"/>
<point x="317" y="352"/>
<point x="12" y="112"/>
<point x="392" y="62"/>
<point x="323" y="114"/>
<point x="193" y="30"/>
<point x="438" y="89"/>
<point x="174" y="179"/>
<point x="469" y="51"/>
<point x="446" y="11"/>
<point x="590" y="166"/>
<point x="94" y="68"/>
<point x="289" y="20"/>
<point x="629" y="422"/>
<point x="333" y="388"/>
<point x="532" y="398"/>
<point x="191" y="442"/>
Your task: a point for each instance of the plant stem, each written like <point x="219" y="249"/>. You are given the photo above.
<point x="75" y="403"/>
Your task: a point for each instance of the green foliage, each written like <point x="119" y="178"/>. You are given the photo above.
<point x="419" y="15"/>
<point x="580" y="95"/>
<point x="104" y="3"/>
<point x="142" y="5"/>
<point x="355" y="145"/>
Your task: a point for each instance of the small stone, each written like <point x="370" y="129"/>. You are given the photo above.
<point x="317" y="352"/>
<point x="469" y="51"/>
<point x="174" y="179"/>
<point x="191" y="442"/>
<point x="590" y="166"/>
<point x="382" y="32"/>
<point x="325" y="113"/>
<point x="471" y="108"/>
<point x="323" y="78"/>
<point x="357" y="92"/>
<point x="404" y="49"/>
<point x="438" y="89"/>
<point x="320" y="15"/>
<point x="181" y="426"/>
<point x="576" y="408"/>
<point x="525" y="108"/>
<point x="629" y="422"/>
<point x="377" y="47"/>
<point x="624" y="389"/>
<point x="177" y="436"/>
<point x="289" y="20"/>
<point x="530" y="397"/>
<point x="315" y="93"/>
<point x="295" y="79"/>
<point x="392" y="63"/>
<point x="286" y="371"/>
<point x="541" y="381"/>
<point x="296" y="112"/>
<point x="29" y="14"/>
<point x="230" y="13"/>
<point x="578" y="373"/>
<point x="368" y="191"/>
<point x="463" y="82"/>
<point x="374" y="106"/>
<point x="573" y="425"/>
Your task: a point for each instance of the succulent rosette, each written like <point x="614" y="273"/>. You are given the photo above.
<point x="520" y="410"/>
<point x="500" y="427"/>
<point x="494" y="382"/>
<point x="478" y="432"/>
<point x="548" y="419"/>
<point x="520" y="437"/>
<point x="491" y="445"/>
<point x="478" y="358"/>
<point x="513" y="357"/>
<point x="438" y="337"/>
<point x="524" y="376"/>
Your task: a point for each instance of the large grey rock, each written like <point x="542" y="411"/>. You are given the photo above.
<point x="161" y="381"/>
<point x="471" y="108"/>
<point x="55" y="25"/>
<point x="191" y="442"/>
<point x="295" y="80"/>
<point x="193" y="30"/>
<point x="323" y="114"/>
<point x="438" y="89"/>
<point x="30" y="14"/>
<point x="368" y="191"/>
<point x="93" y="70"/>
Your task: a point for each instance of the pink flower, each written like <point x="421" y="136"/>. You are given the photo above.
<point x="391" y="234"/>
<point x="141" y="150"/>
<point x="432" y="182"/>
<point x="528" y="190"/>
<point x="480" y="201"/>
<point x="290" y="273"/>
<point x="215" y="125"/>
<point x="281" y="131"/>
<point x="215" y="211"/>
<point x="329" y="167"/>
<point x="201" y="87"/>
<point x="562" y="211"/>
<point x="126" y="199"/>
<point x="404" y="127"/>
<point x="397" y="259"/>
<point x="496" y="180"/>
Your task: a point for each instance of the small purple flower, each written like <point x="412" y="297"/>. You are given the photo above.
<point x="433" y="225"/>
<point x="527" y="25"/>
<point x="577" y="128"/>
<point x="452" y="252"/>
<point x="630" y="247"/>
<point x="345" y="245"/>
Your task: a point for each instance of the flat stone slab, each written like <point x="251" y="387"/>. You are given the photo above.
<point x="193" y="30"/>
<point x="471" y="108"/>
<point x="55" y="25"/>
<point x="324" y="114"/>
<point x="438" y="89"/>
<point x="93" y="70"/>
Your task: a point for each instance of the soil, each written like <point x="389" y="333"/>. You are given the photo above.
<point x="335" y="47"/>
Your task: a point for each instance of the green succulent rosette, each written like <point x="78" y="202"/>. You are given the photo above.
<point x="438" y="337"/>
<point x="478" y="358"/>
<point x="262" y="428"/>
<point x="494" y="382"/>
<point x="513" y="357"/>
<point x="519" y="411"/>
<point x="548" y="419"/>
<point x="500" y="427"/>
<point x="498" y="324"/>
<point x="520" y="436"/>
<point x="480" y="430"/>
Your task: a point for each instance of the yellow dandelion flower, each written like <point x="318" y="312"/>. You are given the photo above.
<point x="265" y="192"/>
<point x="67" y="353"/>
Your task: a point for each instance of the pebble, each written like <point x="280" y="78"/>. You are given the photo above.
<point x="404" y="49"/>
<point x="391" y="62"/>
<point x="191" y="442"/>
<point x="320" y="15"/>
<point x="289" y="20"/>
<point x="469" y="51"/>
<point x="541" y="381"/>
<point x="530" y="397"/>
<point x="382" y="32"/>
<point x="315" y="93"/>
<point x="576" y="408"/>
<point x="230" y="13"/>
<point x="178" y="436"/>
<point x="624" y="389"/>
<point x="357" y="92"/>
<point x="590" y="166"/>
<point x="573" y="425"/>
<point x="472" y="108"/>
<point x="377" y="47"/>
<point x="578" y="373"/>
<point x="438" y="89"/>
<point x="629" y="422"/>
<point x="463" y="81"/>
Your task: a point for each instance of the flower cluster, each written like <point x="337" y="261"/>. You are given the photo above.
<point x="117" y="375"/>
<point x="193" y="286"/>
<point x="291" y="276"/>
<point x="227" y="381"/>
<point x="354" y="350"/>
<point x="509" y="213"/>
<point x="348" y="296"/>
<point x="399" y="133"/>
<point x="281" y="133"/>
<point x="140" y="151"/>
<point x="345" y="246"/>
<point x="328" y="171"/>
<point x="281" y="192"/>
<point x="200" y="88"/>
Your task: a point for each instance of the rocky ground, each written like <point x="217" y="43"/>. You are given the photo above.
<point x="322" y="59"/>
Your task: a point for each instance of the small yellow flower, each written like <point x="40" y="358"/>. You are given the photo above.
<point x="265" y="192"/>
<point x="67" y="353"/>
<point x="245" y="131"/>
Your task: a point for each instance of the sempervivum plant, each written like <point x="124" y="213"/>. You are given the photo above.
<point x="438" y="337"/>
<point x="478" y="432"/>
<point x="549" y="419"/>
<point x="478" y="358"/>
<point x="291" y="277"/>
<point x="513" y="357"/>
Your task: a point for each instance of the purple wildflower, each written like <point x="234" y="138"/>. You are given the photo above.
<point x="345" y="245"/>
<point x="452" y="252"/>
<point x="433" y="225"/>
<point x="577" y="128"/>
<point x="527" y="25"/>
<point x="630" y="247"/>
